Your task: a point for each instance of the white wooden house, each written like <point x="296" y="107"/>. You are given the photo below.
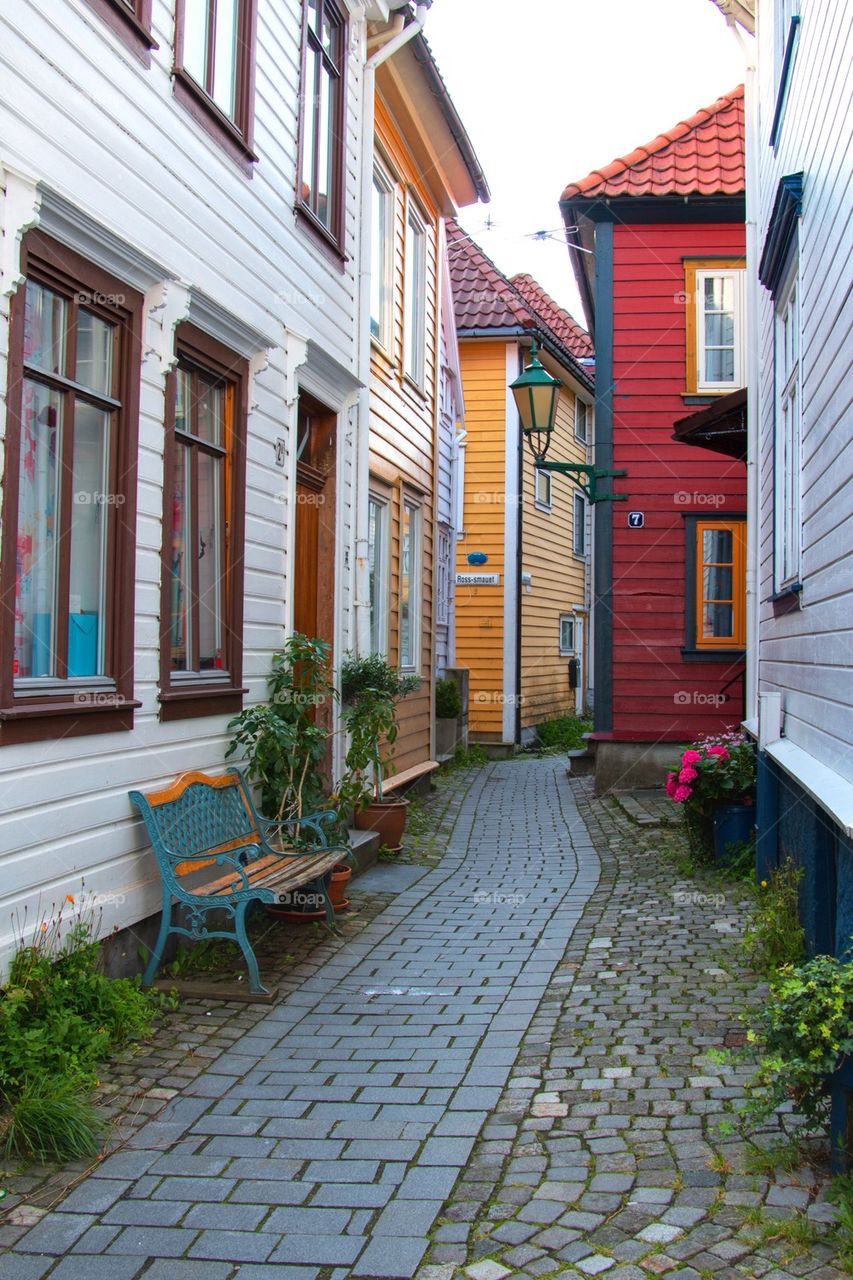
<point x="179" y="355"/>
<point x="801" y="428"/>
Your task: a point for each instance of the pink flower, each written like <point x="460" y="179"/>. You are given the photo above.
<point x="689" y="774"/>
<point x="719" y="750"/>
<point x="691" y="757"/>
<point x="670" y="785"/>
<point x="682" y="794"/>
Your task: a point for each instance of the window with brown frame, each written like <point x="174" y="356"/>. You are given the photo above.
<point x="716" y="596"/>
<point x="131" y="21"/>
<point x="321" y="122"/>
<point x="67" y="584"/>
<point x="204" y="505"/>
<point x="215" y="67"/>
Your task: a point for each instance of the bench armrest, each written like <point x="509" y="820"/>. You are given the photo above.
<point x="312" y="821"/>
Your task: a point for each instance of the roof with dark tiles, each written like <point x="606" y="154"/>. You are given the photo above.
<point x="484" y="298"/>
<point x="703" y="155"/>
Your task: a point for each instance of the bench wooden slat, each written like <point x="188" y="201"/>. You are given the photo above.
<point x="408" y="775"/>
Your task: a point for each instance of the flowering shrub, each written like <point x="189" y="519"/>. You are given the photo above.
<point x="713" y="771"/>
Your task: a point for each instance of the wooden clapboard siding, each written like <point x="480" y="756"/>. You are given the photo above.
<point x="558" y="576"/>
<point x="479" y="610"/>
<point x="403" y="425"/>
<point x="649" y="564"/>
<point x="807" y="654"/>
<point x="86" y="119"/>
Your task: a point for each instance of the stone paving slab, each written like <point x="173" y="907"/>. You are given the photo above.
<point x="394" y="1029"/>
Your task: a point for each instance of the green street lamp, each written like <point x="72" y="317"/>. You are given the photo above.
<point x="535" y="393"/>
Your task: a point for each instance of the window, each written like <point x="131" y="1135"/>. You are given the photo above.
<point x="214" y="57"/>
<point x="543" y="489"/>
<point x="414" y="302"/>
<point x="321" y="162"/>
<point x="442" y="578"/>
<point x="377" y="562"/>
<point x="719" y="558"/>
<point x="715" y="326"/>
<point x="201" y="641"/>
<point x="131" y="22"/>
<point x="567" y="634"/>
<point x="583" y="419"/>
<point x="410" y="587"/>
<point x="381" y="258"/>
<point x="579" y="524"/>
<point x="69" y="515"/>
<point x="788" y="413"/>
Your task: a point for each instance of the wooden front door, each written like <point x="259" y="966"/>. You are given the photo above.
<point x="314" y="583"/>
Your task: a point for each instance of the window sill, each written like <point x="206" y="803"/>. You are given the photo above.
<point x="205" y="112"/>
<point x="131" y="32"/>
<point x="787" y="600"/>
<point x="415" y="387"/>
<point x="696" y="398"/>
<point x="197" y="700"/>
<point x="544" y="507"/>
<point x="322" y="237"/>
<point x="713" y="655"/>
<point x="42" y="720"/>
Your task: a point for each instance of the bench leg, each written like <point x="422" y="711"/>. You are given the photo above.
<point x="255" y="983"/>
<point x="323" y="885"/>
<point x="157" y="954"/>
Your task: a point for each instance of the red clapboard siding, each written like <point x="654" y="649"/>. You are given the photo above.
<point x="656" y="693"/>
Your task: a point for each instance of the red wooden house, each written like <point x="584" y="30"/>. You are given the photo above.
<point x="657" y="243"/>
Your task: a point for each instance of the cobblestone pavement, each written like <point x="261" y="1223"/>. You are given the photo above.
<point x="530" y="1012"/>
<point x="605" y="1155"/>
<point x="325" y="1140"/>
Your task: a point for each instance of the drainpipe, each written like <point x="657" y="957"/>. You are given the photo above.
<point x="384" y="47"/>
<point x="753" y="509"/>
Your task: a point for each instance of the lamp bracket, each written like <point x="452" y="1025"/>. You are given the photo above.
<point x="591" y="476"/>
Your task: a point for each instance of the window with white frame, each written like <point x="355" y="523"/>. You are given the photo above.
<point x="788" y="418"/>
<point x="378" y="541"/>
<point x="583" y="419"/>
<point x="579" y="524"/>
<point x="567" y="634"/>
<point x="410" y="586"/>
<point x="442" y="579"/>
<point x="382" y="249"/>
<point x="543" y="489"/>
<point x="716" y="325"/>
<point x="414" y="297"/>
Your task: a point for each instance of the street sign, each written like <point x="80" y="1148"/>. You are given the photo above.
<point x="636" y="519"/>
<point x="478" y="579"/>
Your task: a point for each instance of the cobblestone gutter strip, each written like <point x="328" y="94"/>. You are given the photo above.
<point x="143" y="1079"/>
<point x="605" y="1155"/>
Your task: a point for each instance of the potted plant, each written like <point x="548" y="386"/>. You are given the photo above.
<point x="448" y="709"/>
<point x="715" y="782"/>
<point x="284" y="741"/>
<point x="370" y="691"/>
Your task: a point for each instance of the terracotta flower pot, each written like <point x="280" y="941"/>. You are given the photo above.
<point x="387" y="818"/>
<point x="341" y="874"/>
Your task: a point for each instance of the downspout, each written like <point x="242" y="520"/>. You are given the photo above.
<point x="519" y="567"/>
<point x="753" y="428"/>
<point x="397" y="37"/>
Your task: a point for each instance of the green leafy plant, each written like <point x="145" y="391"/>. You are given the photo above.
<point x="774" y="936"/>
<point x="804" y="1032"/>
<point x="841" y="1195"/>
<point x="713" y="771"/>
<point x="370" y="691"/>
<point x="448" y="700"/>
<point x="284" y="740"/>
<point x="565" y="733"/>
<point x="60" y="1017"/>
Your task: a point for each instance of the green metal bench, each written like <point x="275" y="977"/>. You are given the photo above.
<point x="216" y="853"/>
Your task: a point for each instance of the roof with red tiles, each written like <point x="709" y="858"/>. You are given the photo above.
<point x="484" y="298"/>
<point x="703" y="155"/>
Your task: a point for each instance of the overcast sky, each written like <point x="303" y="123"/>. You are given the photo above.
<point x="551" y="90"/>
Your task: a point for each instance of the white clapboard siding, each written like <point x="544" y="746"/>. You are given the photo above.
<point x="807" y="655"/>
<point x="81" y="115"/>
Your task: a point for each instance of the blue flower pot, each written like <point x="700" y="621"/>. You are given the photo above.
<point x="733" y="825"/>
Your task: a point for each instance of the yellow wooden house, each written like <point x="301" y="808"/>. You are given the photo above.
<point x="424" y="170"/>
<point x="523" y="561"/>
